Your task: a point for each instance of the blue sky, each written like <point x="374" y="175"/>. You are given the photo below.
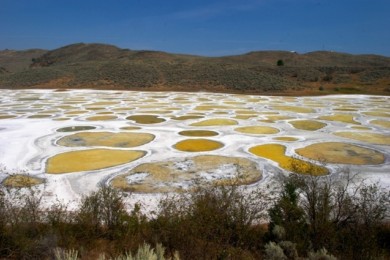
<point x="211" y="28"/>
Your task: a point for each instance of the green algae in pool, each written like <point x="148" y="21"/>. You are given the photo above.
<point x="200" y="133"/>
<point x="146" y="119"/>
<point x="76" y="128"/>
<point x="197" y="145"/>
<point x="89" y="160"/>
<point x="123" y="140"/>
<point x="257" y="130"/>
<point x="334" y="152"/>
<point x="309" y="125"/>
<point x="276" y="153"/>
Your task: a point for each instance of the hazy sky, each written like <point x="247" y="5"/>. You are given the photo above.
<point x="203" y="27"/>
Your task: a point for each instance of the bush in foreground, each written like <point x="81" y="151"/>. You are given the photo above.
<point x="314" y="217"/>
<point x="336" y="214"/>
<point x="212" y="222"/>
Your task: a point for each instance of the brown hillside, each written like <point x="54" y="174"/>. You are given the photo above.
<point x="14" y="61"/>
<point x="108" y="67"/>
<point x="78" y="52"/>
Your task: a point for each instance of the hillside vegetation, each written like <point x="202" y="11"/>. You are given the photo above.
<point x="108" y="67"/>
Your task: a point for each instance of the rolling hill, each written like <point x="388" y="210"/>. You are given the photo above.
<point x="109" y="67"/>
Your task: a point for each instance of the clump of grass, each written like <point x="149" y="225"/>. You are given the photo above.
<point x="63" y="254"/>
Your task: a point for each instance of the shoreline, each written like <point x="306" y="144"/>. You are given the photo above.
<point x="306" y="93"/>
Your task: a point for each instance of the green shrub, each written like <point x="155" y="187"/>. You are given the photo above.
<point x="23" y="233"/>
<point x="333" y="213"/>
<point x="280" y="63"/>
<point x="210" y="222"/>
<point x="102" y="213"/>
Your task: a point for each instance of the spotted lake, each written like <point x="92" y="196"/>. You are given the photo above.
<point x="151" y="143"/>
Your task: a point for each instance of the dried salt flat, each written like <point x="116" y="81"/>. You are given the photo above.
<point x="42" y="131"/>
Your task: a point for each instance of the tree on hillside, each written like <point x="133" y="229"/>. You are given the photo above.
<point x="280" y="63"/>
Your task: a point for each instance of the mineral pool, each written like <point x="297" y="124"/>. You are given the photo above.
<point x="150" y="143"/>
